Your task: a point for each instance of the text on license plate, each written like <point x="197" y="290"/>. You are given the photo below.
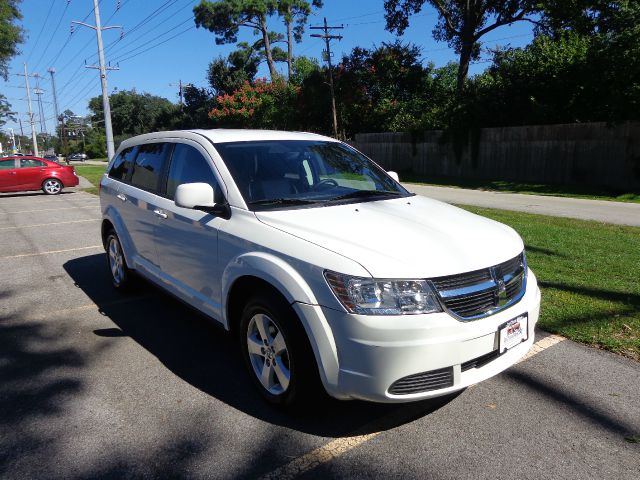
<point x="513" y="332"/>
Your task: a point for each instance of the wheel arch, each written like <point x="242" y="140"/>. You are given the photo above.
<point x="261" y="270"/>
<point x="111" y="220"/>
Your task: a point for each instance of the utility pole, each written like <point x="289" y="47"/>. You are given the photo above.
<point x="58" y="119"/>
<point x="103" y="77"/>
<point x="52" y="71"/>
<point x="181" y="88"/>
<point x="38" y="91"/>
<point x="21" y="135"/>
<point x="33" y="127"/>
<point x="327" y="41"/>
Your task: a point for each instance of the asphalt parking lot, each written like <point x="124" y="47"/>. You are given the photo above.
<point x="94" y="384"/>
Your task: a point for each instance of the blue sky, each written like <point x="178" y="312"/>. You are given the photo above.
<point x="161" y="46"/>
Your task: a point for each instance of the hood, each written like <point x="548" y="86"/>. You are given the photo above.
<point x="412" y="237"/>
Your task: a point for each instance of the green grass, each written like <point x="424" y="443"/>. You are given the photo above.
<point x="589" y="276"/>
<point x="93" y="173"/>
<point x="573" y="191"/>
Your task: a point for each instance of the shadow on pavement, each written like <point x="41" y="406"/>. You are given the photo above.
<point x="205" y="356"/>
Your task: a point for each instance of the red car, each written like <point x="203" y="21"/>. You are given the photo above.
<point x="33" y="173"/>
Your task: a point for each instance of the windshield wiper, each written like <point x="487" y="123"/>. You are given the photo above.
<point x="282" y="201"/>
<point x="366" y="193"/>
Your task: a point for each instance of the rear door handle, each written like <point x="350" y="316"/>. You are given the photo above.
<point x="12" y="173"/>
<point x="160" y="213"/>
<point x="122" y="197"/>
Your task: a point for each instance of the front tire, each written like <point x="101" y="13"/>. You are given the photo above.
<point x="277" y="353"/>
<point x="52" y="186"/>
<point x="121" y="276"/>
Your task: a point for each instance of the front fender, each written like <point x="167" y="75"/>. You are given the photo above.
<point x="282" y="276"/>
<point x="271" y="269"/>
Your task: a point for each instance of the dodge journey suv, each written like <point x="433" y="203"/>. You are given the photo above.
<point x="328" y="272"/>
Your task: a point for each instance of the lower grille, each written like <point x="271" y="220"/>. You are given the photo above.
<point x="479" y="361"/>
<point x="423" y="382"/>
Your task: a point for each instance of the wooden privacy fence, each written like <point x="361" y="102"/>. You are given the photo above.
<point x="588" y="154"/>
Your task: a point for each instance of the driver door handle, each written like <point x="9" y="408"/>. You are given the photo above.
<point x="160" y="213"/>
<point x="122" y="197"/>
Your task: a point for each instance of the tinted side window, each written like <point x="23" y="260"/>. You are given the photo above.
<point x="122" y="164"/>
<point x="189" y="166"/>
<point x="30" y="163"/>
<point x="147" y="168"/>
<point x="7" y="164"/>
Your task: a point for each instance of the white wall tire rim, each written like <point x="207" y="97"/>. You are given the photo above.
<point x="268" y="354"/>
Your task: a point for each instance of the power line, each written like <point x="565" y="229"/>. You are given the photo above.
<point x="142" y="23"/>
<point x="46" y="20"/>
<point x="157" y="44"/>
<point x="175" y="27"/>
<point x="52" y="35"/>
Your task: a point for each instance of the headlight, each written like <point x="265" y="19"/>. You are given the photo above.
<point x="370" y="296"/>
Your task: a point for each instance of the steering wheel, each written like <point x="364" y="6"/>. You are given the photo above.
<point x="326" y="181"/>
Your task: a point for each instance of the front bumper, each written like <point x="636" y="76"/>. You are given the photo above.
<point x="373" y="352"/>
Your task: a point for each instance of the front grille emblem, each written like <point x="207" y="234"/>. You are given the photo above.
<point x="501" y="297"/>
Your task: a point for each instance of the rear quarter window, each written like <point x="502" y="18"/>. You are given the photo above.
<point x="122" y="164"/>
<point x="30" y="163"/>
<point x="148" y="165"/>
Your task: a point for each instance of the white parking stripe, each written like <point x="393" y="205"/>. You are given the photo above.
<point x="48" y="224"/>
<point x="50" y="252"/>
<point x="541" y="345"/>
<point x="48" y="210"/>
<point x="337" y="447"/>
<point x="92" y="306"/>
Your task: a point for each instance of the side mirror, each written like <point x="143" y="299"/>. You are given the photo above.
<point x="394" y="175"/>
<point x="191" y="195"/>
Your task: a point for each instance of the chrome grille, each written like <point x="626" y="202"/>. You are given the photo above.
<point x="481" y="293"/>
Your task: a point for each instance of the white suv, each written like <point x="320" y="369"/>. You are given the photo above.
<point x="330" y="273"/>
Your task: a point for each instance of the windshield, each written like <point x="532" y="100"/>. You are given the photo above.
<point x="295" y="173"/>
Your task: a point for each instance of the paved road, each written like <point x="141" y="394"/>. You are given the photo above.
<point x="98" y="385"/>
<point x="599" y="210"/>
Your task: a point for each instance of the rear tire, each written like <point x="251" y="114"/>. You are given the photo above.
<point x="52" y="186"/>
<point x="121" y="276"/>
<point x="277" y="353"/>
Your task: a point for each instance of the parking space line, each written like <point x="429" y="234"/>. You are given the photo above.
<point x="90" y="306"/>
<point x="49" y="209"/>
<point x="48" y="224"/>
<point x="50" y="252"/>
<point x="541" y="345"/>
<point x="339" y="446"/>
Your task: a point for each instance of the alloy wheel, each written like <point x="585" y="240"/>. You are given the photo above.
<point x="52" y="186"/>
<point x="268" y="354"/>
<point x="116" y="261"/>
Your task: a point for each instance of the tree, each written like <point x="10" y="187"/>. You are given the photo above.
<point x="225" y="17"/>
<point x="5" y="110"/>
<point x="262" y="105"/>
<point x="295" y="11"/>
<point x="11" y="35"/>
<point x="461" y="23"/>
<point x="388" y="89"/>
<point x="227" y="75"/>
<point x="133" y="113"/>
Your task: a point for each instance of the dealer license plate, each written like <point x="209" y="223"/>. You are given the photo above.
<point x="513" y="332"/>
